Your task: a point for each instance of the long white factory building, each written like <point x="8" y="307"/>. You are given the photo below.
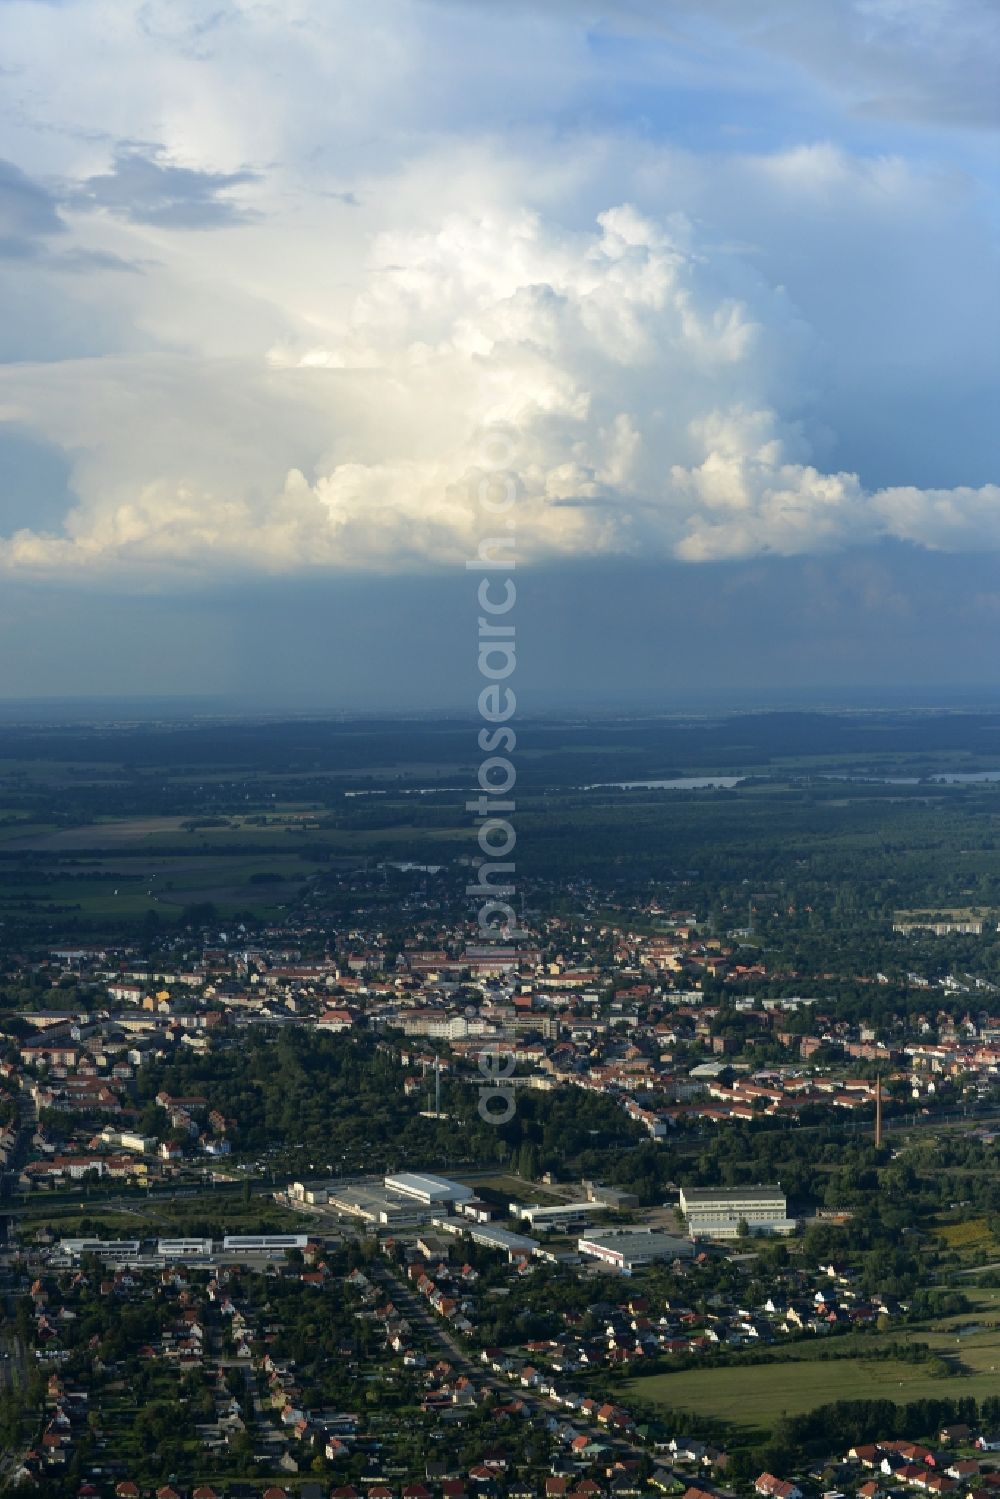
<point x="432" y="1191"/>
<point x="628" y="1249"/>
<point x="170" y="1251"/>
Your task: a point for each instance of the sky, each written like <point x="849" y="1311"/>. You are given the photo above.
<point x="722" y="275"/>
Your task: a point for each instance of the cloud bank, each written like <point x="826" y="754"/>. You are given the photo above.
<point x="643" y="398"/>
<point x="682" y="342"/>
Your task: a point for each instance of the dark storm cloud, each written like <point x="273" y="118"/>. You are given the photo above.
<point x="145" y="188"/>
<point x="31" y="226"/>
<point x="28" y="215"/>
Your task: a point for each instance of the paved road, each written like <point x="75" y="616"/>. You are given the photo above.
<point x="15" y="1361"/>
<point x="15" y="1355"/>
<point x="416" y="1311"/>
<point x="15" y="1369"/>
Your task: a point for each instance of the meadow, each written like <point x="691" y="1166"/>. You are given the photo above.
<point x="757" y="1396"/>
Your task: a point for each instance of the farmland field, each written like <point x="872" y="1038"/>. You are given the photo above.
<point x="106" y="834"/>
<point x="760" y="1395"/>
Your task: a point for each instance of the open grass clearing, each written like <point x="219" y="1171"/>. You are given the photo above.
<point x="64" y="1221"/>
<point x="513" y="1189"/>
<point x="759" y="1395"/>
<point x="969" y="1236"/>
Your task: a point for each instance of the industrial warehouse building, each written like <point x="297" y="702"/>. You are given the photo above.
<point x="377" y="1206"/>
<point x="627" y="1249"/>
<point x="717" y="1213"/>
<point x="513" y="1245"/>
<point x="431" y="1191"/>
<point x="561" y="1215"/>
<point x="170" y="1251"/>
<point x="399" y="1201"/>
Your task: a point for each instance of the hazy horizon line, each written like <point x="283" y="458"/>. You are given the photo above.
<point x="135" y="707"/>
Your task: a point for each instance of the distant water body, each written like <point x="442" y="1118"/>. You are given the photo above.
<point x="683" y="783"/>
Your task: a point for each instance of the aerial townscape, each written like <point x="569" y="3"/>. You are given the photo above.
<point x="499" y="749"/>
<point x="685" y="1184"/>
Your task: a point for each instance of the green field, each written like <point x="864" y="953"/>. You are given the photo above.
<point x="160" y="1216"/>
<point x="759" y="1396"/>
<point x="504" y="1189"/>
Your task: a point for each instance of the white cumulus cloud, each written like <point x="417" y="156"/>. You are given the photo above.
<point x="644" y="395"/>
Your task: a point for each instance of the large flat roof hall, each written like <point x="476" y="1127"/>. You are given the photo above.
<point x="430" y="1190"/>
